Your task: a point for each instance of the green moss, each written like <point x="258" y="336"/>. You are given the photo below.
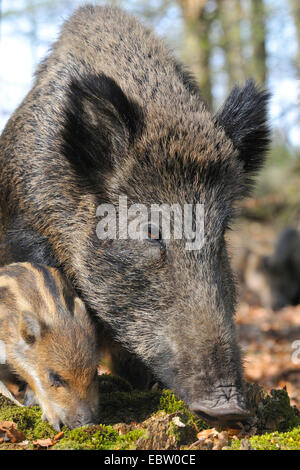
<point x="109" y="383"/>
<point x="273" y="441"/>
<point x="28" y="420"/>
<point x="183" y="434"/>
<point x="128" y="440"/>
<point x="271" y="412"/>
<point x="126" y="407"/>
<point x="119" y="402"/>
<point x="235" y="444"/>
<point x="94" y="437"/>
<point x="278" y="410"/>
<point x="97" y="438"/>
<point x="170" y="404"/>
<point x="285" y="441"/>
<point x="4" y="402"/>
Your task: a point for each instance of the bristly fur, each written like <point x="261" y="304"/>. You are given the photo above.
<point x="244" y="119"/>
<point x="282" y="270"/>
<point x="111" y="114"/>
<point x="100" y="121"/>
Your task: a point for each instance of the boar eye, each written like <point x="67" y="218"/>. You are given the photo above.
<point x="55" y="379"/>
<point x="153" y="233"/>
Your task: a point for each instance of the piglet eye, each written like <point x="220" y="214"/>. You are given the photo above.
<point x="55" y="379"/>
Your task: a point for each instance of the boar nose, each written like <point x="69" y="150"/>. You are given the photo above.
<point x="84" y="417"/>
<point x="223" y="406"/>
<point x="224" y="413"/>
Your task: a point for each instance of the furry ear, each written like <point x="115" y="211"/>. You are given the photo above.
<point x="244" y="119"/>
<point x="100" y="123"/>
<point x="79" y="308"/>
<point x="30" y="328"/>
<point x="81" y="314"/>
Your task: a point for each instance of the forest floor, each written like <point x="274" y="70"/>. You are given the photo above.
<point x="269" y="342"/>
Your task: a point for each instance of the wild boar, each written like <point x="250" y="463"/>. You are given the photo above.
<point x="113" y="116"/>
<point x="282" y="270"/>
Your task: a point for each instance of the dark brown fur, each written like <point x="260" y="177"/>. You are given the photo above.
<point x="112" y="113"/>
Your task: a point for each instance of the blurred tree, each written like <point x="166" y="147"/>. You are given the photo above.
<point x="33" y="29"/>
<point x="258" y="37"/>
<point x="28" y="7"/>
<point x="197" y="46"/>
<point x="295" y="4"/>
<point x="0" y="17"/>
<point x="230" y="15"/>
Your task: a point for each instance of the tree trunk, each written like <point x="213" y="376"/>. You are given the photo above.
<point x="258" y="30"/>
<point x="197" y="48"/>
<point x="230" y="16"/>
<point x="296" y="14"/>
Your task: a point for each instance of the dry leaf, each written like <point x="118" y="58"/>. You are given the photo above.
<point x="206" y="433"/>
<point x="44" y="443"/>
<point x="58" y="436"/>
<point x="11" y="432"/>
<point x="233" y="432"/>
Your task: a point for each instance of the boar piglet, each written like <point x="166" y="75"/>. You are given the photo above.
<point x="48" y="342"/>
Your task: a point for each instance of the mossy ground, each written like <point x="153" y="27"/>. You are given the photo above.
<point x="273" y="441"/>
<point x="132" y="419"/>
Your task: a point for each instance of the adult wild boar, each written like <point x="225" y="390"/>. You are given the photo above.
<point x="282" y="270"/>
<point x="112" y="114"/>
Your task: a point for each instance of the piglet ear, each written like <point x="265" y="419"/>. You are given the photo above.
<point x="79" y="307"/>
<point x="30" y="327"/>
<point x="244" y="120"/>
<point x="80" y="311"/>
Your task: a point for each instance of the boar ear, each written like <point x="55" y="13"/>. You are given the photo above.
<point x="100" y="122"/>
<point x="30" y="328"/>
<point x="244" y="120"/>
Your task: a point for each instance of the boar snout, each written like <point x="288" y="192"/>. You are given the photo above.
<point x="226" y="404"/>
<point x="83" y="417"/>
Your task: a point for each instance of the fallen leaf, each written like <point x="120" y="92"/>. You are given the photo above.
<point x="11" y="432"/>
<point x="206" y="433"/>
<point x="233" y="432"/>
<point x="58" y="436"/>
<point x="44" y="443"/>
